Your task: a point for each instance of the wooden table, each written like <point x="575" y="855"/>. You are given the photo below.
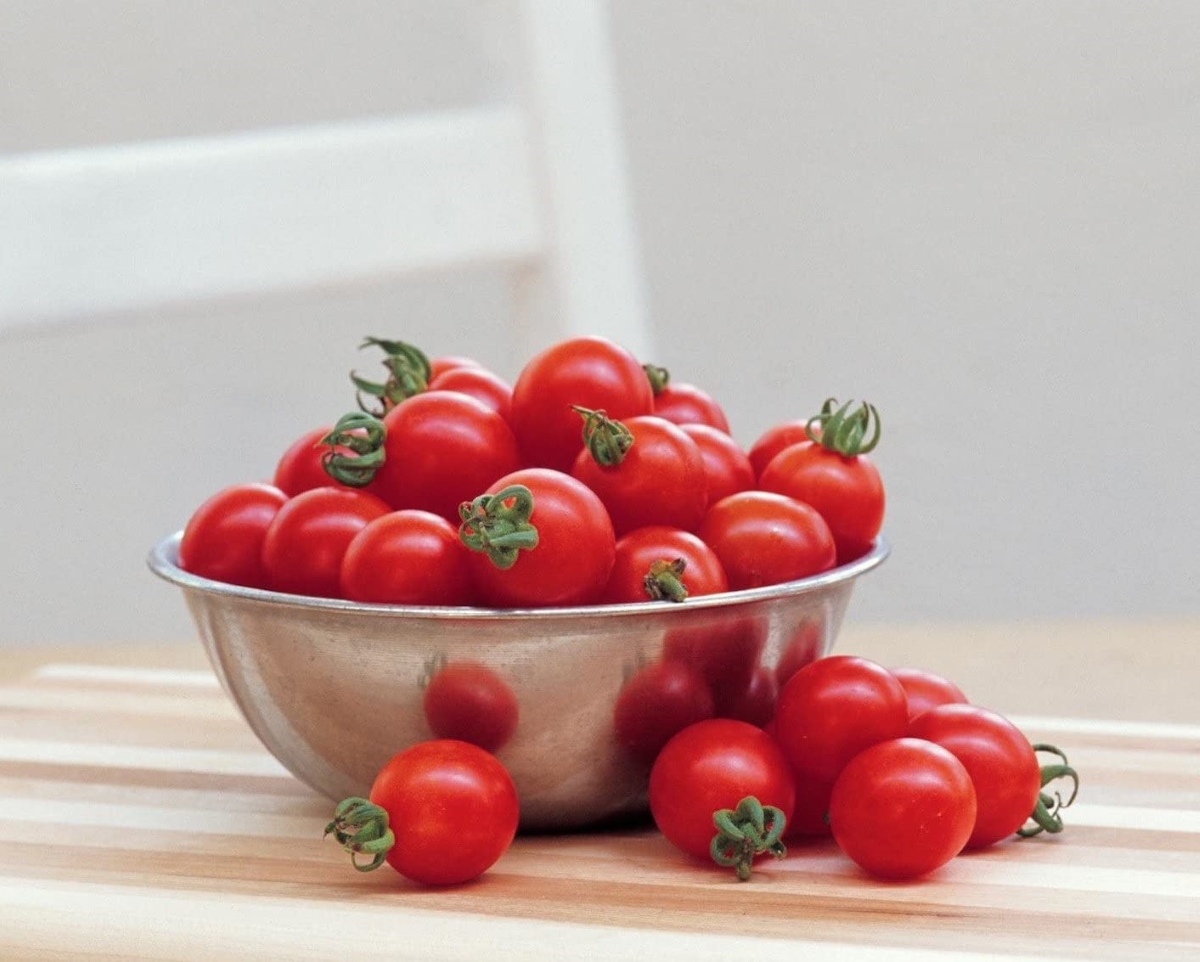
<point x="140" y="819"/>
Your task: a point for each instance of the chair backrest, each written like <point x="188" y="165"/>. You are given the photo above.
<point x="537" y="184"/>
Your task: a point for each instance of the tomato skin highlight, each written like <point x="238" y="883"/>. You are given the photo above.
<point x="847" y="492"/>
<point x="223" y="538"/>
<point x="999" y="759"/>
<point x="926" y="690"/>
<point x="640" y="548"/>
<point x="470" y="702"/>
<point x="713" y="765"/>
<point x="574" y="555"/>
<point x="661" y="479"/>
<point x="833" y="709"/>
<point x="902" y="808"/>
<point x="304" y="546"/>
<point x="590" y="372"/>
<point x="407" y="558"/>
<point x="453" y="808"/>
<point x="726" y="466"/>
<point x="682" y="403"/>
<point x="766" y="539"/>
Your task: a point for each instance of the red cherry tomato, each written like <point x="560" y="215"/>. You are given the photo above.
<point x="659" y="479"/>
<point x="833" y="709"/>
<point x="847" y="492"/>
<point x="709" y="766"/>
<point x="449" y="362"/>
<point x="589" y="372"/>
<point x="999" y="759"/>
<point x="453" y="809"/>
<point x="726" y="466"/>
<point x="574" y="546"/>
<point x="479" y="383"/>
<point x="305" y="543"/>
<point x="645" y="568"/>
<point x="926" y="690"/>
<point x="810" y="818"/>
<point x="766" y="539"/>
<point x="300" y="468"/>
<point x="686" y="404"/>
<point x="442" y="448"/>
<point x="407" y="558"/>
<point x="472" y="703"/>
<point x="657" y="702"/>
<point x="902" y="808"/>
<point x="224" y="537"/>
<point x="774" y="440"/>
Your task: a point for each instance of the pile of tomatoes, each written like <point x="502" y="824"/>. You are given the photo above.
<point x="448" y="487"/>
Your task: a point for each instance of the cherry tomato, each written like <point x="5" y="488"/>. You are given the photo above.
<point x="902" y="808"/>
<point x="647" y="567"/>
<point x="713" y="765"/>
<point x="443" y="448"/>
<point x="726" y="466"/>
<point x="834" y="708"/>
<point x="926" y="690"/>
<point x="407" y="558"/>
<point x="658" y="479"/>
<point x="589" y="372"/>
<point x="449" y="362"/>
<point x="224" y="537"/>
<point x="470" y="702"/>
<point x="451" y="806"/>
<point x="766" y="539"/>
<point x="774" y="440"/>
<point x="479" y="383"/>
<point x="847" y="492"/>
<point x="999" y="759"/>
<point x="662" y="699"/>
<point x="683" y="403"/>
<point x="305" y="543"/>
<point x="571" y="547"/>
<point x="810" y="817"/>
<point x="300" y="468"/>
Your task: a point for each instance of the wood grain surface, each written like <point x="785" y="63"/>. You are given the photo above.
<point x="140" y="819"/>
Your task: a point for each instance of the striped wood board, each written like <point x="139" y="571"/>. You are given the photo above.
<point x="142" y="820"/>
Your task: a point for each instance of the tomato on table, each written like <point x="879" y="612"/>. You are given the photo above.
<point x="304" y="546"/>
<point x="726" y="466"/>
<point x="902" y="808"/>
<point x="538" y="538"/>
<point x="440" y="813"/>
<point x="660" y="563"/>
<point x="644" y="469"/>
<point x="470" y="702"/>
<point x="407" y="558"/>
<point x="1002" y="764"/>
<point x="766" y="539"/>
<point x="223" y="539"/>
<point x="589" y="372"/>
<point x="926" y="690"/>
<point x="834" y="708"/>
<point x="712" y="766"/>
<point x="835" y="476"/>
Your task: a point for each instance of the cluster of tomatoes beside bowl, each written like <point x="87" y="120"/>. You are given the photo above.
<point x="895" y="765"/>
<point x="593" y="479"/>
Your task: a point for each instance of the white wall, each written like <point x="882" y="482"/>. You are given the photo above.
<point x="982" y="216"/>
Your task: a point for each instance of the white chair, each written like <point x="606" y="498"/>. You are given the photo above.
<point x="537" y="185"/>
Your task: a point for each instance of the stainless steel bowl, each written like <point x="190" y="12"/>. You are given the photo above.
<point x="334" y="688"/>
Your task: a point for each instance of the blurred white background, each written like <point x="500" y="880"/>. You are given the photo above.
<point x="984" y="217"/>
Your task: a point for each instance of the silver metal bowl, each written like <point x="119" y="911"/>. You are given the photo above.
<point x="334" y="688"/>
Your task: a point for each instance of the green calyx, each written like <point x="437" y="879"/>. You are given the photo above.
<point x="746" y="832"/>
<point x="363" y="436"/>
<point x="664" y="580"/>
<point x="498" y="524"/>
<point x="1046" y="813"/>
<point x="844" y="431"/>
<point x="659" y="377"/>
<point x="361" y="828"/>
<point x="408" y="374"/>
<point x="606" y="440"/>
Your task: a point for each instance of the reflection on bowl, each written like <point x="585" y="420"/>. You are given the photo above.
<point x="573" y="701"/>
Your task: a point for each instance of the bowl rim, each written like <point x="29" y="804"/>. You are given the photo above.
<point x="163" y="560"/>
